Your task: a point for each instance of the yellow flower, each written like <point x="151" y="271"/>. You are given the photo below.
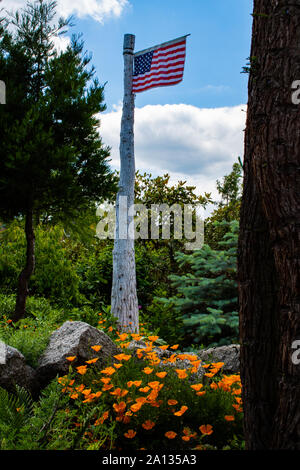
<point x="206" y="429"/>
<point x="170" y="434"/>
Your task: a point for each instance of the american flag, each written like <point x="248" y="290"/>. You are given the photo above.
<point x="161" y="65"/>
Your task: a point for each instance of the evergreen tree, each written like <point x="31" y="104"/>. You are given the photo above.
<point x="53" y="162"/>
<point x="207" y="295"/>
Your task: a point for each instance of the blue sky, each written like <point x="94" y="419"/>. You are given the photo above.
<point x="216" y="52"/>
<point x="194" y="130"/>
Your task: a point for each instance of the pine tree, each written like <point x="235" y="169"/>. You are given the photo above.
<point x="52" y="160"/>
<point x="207" y="294"/>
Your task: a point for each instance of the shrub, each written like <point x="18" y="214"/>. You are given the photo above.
<point x="207" y="295"/>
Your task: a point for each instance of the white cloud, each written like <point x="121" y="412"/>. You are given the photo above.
<point x="99" y="10"/>
<point x="189" y="143"/>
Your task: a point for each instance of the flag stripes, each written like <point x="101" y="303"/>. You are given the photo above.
<point x="159" y="66"/>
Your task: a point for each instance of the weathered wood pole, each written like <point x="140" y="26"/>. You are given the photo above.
<point x="124" y="302"/>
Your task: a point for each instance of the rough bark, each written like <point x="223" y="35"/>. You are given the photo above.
<point x="124" y="303"/>
<point x="25" y="275"/>
<point x="269" y="244"/>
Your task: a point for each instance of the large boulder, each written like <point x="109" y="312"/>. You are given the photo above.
<point x="14" y="370"/>
<point x="230" y="355"/>
<point x="73" y="339"/>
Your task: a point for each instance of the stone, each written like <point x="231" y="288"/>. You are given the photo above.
<point x="14" y="370"/>
<point x="74" y="339"/>
<point x="230" y="355"/>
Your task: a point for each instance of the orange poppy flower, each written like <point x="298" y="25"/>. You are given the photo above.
<point x="136" y="383"/>
<point x="206" y="429"/>
<point x="130" y="434"/>
<point x="92" y="361"/>
<point x="172" y="402"/>
<point x="123" y="357"/>
<point x="74" y="396"/>
<point x="170" y="434"/>
<point x="119" y="407"/>
<point x="96" y="347"/>
<point x="181" y="373"/>
<point x="161" y="375"/>
<point x="176" y="346"/>
<point x="164" y="347"/>
<point x="71" y="358"/>
<point x="81" y="370"/>
<point x="144" y="389"/>
<point x="229" y="418"/>
<point x="147" y="370"/>
<point x="118" y="366"/>
<point x="105" y="380"/>
<point x="108" y="371"/>
<point x="197" y="387"/>
<point x="181" y="411"/>
<point x="153" y="338"/>
<point x="148" y="425"/>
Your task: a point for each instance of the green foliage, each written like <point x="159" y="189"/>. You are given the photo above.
<point x="207" y="294"/>
<point x="55" y="275"/>
<point x="162" y="318"/>
<point x="15" y="412"/>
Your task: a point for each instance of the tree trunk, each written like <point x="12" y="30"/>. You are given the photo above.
<point x="25" y="275"/>
<point x="269" y="243"/>
<point x="124" y="303"/>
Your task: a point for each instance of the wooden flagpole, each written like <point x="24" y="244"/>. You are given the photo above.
<point x="124" y="302"/>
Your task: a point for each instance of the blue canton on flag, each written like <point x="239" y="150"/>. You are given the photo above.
<point x="161" y="65"/>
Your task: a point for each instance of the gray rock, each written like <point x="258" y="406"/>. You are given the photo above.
<point x="14" y="370"/>
<point x="230" y="355"/>
<point x="73" y="339"/>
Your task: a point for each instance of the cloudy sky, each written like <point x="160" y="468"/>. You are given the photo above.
<point x="194" y="130"/>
